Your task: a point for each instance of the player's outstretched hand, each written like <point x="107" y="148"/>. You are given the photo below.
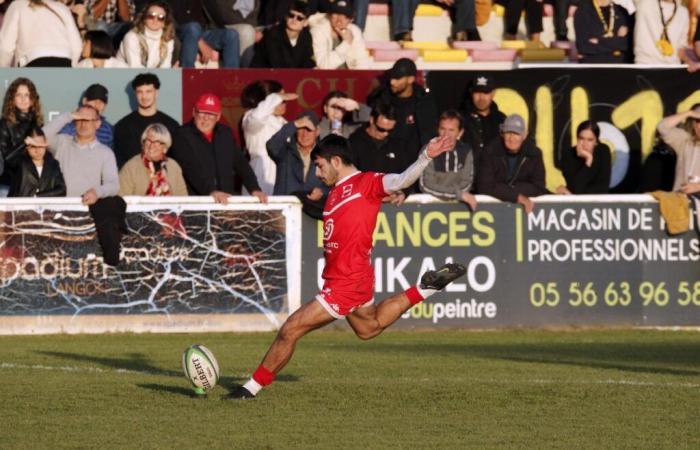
<point x="439" y="145"/>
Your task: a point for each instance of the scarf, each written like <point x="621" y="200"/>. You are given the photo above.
<point x="157" y="173"/>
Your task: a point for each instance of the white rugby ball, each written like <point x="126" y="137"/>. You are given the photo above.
<point x="200" y="367"/>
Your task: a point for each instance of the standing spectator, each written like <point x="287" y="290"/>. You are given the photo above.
<point x="337" y="42"/>
<point x="602" y="32"/>
<point x="209" y="156"/>
<point x="265" y="104"/>
<point x="90" y="172"/>
<point x="98" y="52"/>
<point x="450" y="176"/>
<point x="290" y="148"/>
<point x="375" y="146"/>
<point x="686" y="144"/>
<point x="342" y="115"/>
<point x="111" y="16"/>
<point x="36" y="173"/>
<point x="660" y="31"/>
<point x="482" y="116"/>
<point x="561" y="14"/>
<point x="96" y="96"/>
<point x="128" y="132"/>
<point x="21" y="112"/>
<point x="239" y="15"/>
<point x="416" y="111"/>
<point x="586" y="167"/>
<point x="287" y="44"/>
<point x="151" y="42"/>
<point x="533" y="18"/>
<point x="512" y="169"/>
<point x="152" y="173"/>
<point x="402" y="14"/>
<point x="196" y="38"/>
<point x="39" y="33"/>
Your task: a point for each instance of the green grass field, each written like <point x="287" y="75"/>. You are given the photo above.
<point x="448" y="389"/>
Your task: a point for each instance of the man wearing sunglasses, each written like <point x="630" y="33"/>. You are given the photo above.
<point x="288" y="44"/>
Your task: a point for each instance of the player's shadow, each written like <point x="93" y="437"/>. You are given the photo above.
<point x="135" y="362"/>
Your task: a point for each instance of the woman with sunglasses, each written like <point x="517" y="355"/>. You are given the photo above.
<point x="151" y="42"/>
<point x="288" y="44"/>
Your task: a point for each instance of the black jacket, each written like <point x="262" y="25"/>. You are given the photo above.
<point x="581" y="179"/>
<point x="209" y="167"/>
<point x="613" y="49"/>
<point x="12" y="137"/>
<point x="274" y="50"/>
<point x="480" y="130"/>
<point x="425" y="116"/>
<point x="128" y="131"/>
<point x="26" y="182"/>
<point x="388" y="156"/>
<point x="528" y="178"/>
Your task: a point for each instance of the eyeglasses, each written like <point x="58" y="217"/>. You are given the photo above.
<point x="297" y="17"/>
<point x="152" y="142"/>
<point x="156" y="16"/>
<point x="383" y="130"/>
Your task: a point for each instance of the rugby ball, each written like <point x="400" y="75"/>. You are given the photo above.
<point x="200" y="367"/>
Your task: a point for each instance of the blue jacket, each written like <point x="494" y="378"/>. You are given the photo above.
<point x="282" y="148"/>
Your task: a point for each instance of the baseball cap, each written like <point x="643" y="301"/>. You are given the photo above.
<point x="208" y="103"/>
<point x="313" y="117"/>
<point x="340" y="7"/>
<point x="513" y="124"/>
<point x="96" y="92"/>
<point x="403" y="67"/>
<point x="483" y="83"/>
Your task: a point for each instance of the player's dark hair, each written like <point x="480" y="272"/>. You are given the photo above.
<point x="589" y="125"/>
<point x="452" y="114"/>
<point x="386" y="110"/>
<point x="334" y="145"/>
<point x="144" y="79"/>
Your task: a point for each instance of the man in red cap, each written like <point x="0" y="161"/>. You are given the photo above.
<point x="210" y="159"/>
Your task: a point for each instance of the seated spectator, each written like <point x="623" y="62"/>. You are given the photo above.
<point x="39" y="33"/>
<point x="586" y="167"/>
<point x="482" y="117"/>
<point x="287" y="44"/>
<point x="533" y="18"/>
<point x="239" y="15"/>
<point x="462" y="12"/>
<point x="265" y="104"/>
<point x="197" y="38"/>
<point x="337" y="42"/>
<point x="152" y="173"/>
<point x="151" y="42"/>
<point x="96" y="96"/>
<point x="660" y="31"/>
<point x="128" y="131"/>
<point x="21" y="113"/>
<point x="602" y="32"/>
<point x="290" y="148"/>
<point x="36" y="173"/>
<point x="450" y="176"/>
<point x="209" y="156"/>
<point x="342" y="115"/>
<point x="376" y="147"/>
<point x="98" y="52"/>
<point x="112" y="16"/>
<point x="512" y="169"/>
<point x="686" y="144"/>
<point x="90" y="172"/>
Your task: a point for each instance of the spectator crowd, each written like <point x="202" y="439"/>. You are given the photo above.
<point x="326" y="34"/>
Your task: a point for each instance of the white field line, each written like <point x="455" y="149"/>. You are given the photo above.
<point x="636" y="383"/>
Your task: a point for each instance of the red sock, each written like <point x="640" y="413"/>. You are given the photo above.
<point x="413" y="295"/>
<point x="262" y="376"/>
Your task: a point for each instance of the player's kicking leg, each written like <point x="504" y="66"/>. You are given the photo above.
<point x="304" y="320"/>
<point x="370" y="321"/>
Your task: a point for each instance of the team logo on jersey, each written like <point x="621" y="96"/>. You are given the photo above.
<point x="347" y="191"/>
<point x="328" y="229"/>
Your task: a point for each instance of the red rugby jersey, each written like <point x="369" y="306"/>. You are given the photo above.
<point x="349" y="218"/>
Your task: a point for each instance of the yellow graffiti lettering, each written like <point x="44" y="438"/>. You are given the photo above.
<point x="544" y="137"/>
<point x="688" y="102"/>
<point x="511" y="102"/>
<point x="646" y="107"/>
<point x="579" y="110"/>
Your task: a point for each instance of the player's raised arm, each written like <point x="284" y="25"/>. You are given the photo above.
<point x="396" y="181"/>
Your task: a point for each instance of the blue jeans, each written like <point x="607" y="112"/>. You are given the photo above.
<point x="360" y="9"/>
<point x="402" y="13"/>
<point x="223" y="40"/>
